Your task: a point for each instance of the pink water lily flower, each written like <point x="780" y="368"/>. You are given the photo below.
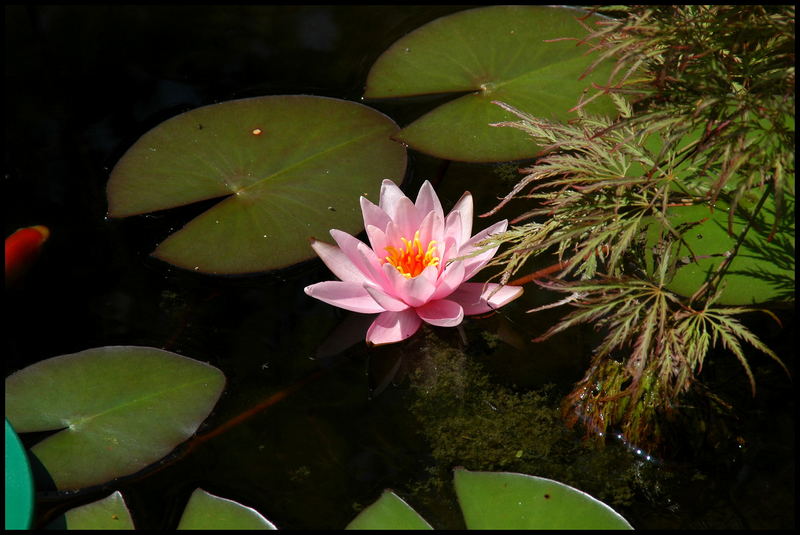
<point x="412" y="271"/>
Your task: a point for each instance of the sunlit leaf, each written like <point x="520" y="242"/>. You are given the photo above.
<point x="389" y="512"/>
<point x="115" y="409"/>
<point x="108" y="513"/>
<point x="206" y="511"/>
<point x="285" y="168"/>
<point x="498" y="53"/>
<point x="501" y="500"/>
<point x="762" y="271"/>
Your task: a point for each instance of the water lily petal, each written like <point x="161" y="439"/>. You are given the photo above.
<point x="414" y="291"/>
<point x="346" y="295"/>
<point x="474" y="264"/>
<point x="362" y="257"/>
<point x="428" y="201"/>
<point x="432" y="229"/>
<point x="385" y="300"/>
<point x="406" y="217"/>
<point x="338" y="262"/>
<point x="374" y="268"/>
<point x="450" y="278"/>
<point x="377" y="238"/>
<point x="454" y="228"/>
<point x="392" y="234"/>
<point x="466" y="208"/>
<point x="479" y="297"/>
<point x="442" y="313"/>
<point x="373" y="214"/>
<point x="390" y="198"/>
<point x="391" y="327"/>
<point x="449" y="251"/>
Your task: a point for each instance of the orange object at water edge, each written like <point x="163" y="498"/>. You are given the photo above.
<point x="22" y="248"/>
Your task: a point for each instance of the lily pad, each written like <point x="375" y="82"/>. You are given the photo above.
<point x="116" y="409"/>
<point x="762" y="271"/>
<point x="105" y="514"/>
<point x="389" y="512"/>
<point x="497" y="53"/>
<point x="206" y="511"/>
<point x="502" y="500"/>
<point x="286" y="168"/>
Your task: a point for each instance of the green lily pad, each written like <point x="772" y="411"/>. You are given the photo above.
<point x="206" y="511"/>
<point x="497" y="53"/>
<point x="762" y="271"/>
<point x="501" y="500"/>
<point x="116" y="409"/>
<point x="286" y="168"/>
<point x="108" y="513"/>
<point x="389" y="512"/>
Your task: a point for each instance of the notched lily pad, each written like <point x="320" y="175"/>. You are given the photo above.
<point x="286" y="168"/>
<point x="497" y="53"/>
<point x="115" y="409"/>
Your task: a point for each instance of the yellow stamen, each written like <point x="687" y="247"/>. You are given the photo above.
<point x="409" y="260"/>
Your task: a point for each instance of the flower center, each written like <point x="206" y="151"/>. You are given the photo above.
<point x="410" y="260"/>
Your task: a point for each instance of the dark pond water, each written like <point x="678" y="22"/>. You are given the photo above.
<point x="82" y="84"/>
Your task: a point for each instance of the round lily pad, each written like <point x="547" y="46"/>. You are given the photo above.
<point x="285" y="168"/>
<point x="115" y="409"/>
<point x="525" y="56"/>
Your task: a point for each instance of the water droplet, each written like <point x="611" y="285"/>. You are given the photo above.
<point x="407" y="50"/>
<point x="153" y="149"/>
<point x="196" y="268"/>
